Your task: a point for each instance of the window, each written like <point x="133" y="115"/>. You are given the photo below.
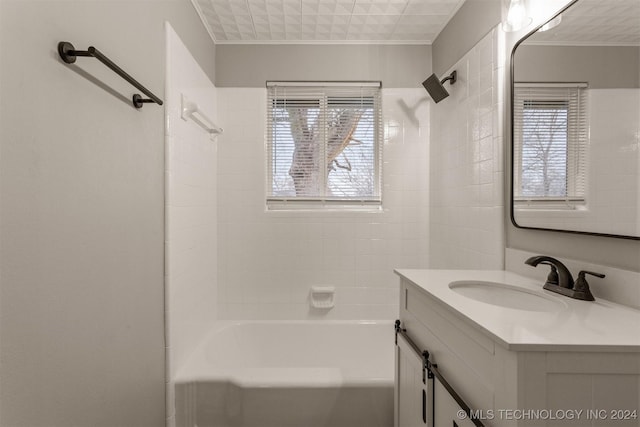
<point x="323" y="143"/>
<point x="550" y="144"/>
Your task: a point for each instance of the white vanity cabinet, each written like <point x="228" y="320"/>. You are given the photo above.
<point x="508" y="372"/>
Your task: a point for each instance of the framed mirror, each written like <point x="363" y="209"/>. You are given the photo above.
<point x="575" y="122"/>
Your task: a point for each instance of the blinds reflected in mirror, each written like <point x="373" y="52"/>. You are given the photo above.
<point x="550" y="143"/>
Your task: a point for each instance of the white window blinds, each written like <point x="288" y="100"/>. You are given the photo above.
<point x="323" y="143"/>
<point x="550" y="142"/>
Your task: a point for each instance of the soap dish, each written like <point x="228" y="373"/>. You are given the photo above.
<point x="323" y="297"/>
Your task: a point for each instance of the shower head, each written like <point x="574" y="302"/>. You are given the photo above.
<point x="435" y="86"/>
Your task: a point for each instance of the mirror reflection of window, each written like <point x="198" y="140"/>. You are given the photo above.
<point x="550" y="135"/>
<point x="576" y="146"/>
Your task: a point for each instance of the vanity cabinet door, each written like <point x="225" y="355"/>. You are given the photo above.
<point x="446" y="410"/>
<point x="412" y="397"/>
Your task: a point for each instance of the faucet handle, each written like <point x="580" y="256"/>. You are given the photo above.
<point x="583" y="272"/>
<point x="582" y="287"/>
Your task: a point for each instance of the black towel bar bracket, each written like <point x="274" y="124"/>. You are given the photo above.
<point x="68" y="54"/>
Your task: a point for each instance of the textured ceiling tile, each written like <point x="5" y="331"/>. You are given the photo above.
<point x="336" y="19"/>
<point x="261" y="19"/>
<point x="357" y="19"/>
<point x="381" y="29"/>
<point x="326" y="8"/>
<point x="277" y="28"/>
<point x="258" y="7"/>
<point x="217" y="29"/>
<point x="293" y="19"/>
<point x="227" y="19"/>
<point x="247" y="34"/>
<point x="233" y="35"/>
<point x="276" y="19"/>
<point x="308" y="28"/>
<point x="293" y="31"/>
<point x="338" y="36"/>
<point x="205" y="5"/>
<point x="379" y="6"/>
<point x="275" y="7"/>
<point x="613" y="21"/>
<point x="360" y="36"/>
<point x="292" y="37"/>
<point x="230" y="28"/>
<point x="240" y="9"/>
<point x="431" y="7"/>
<point x="292" y="7"/>
<point x="243" y="28"/>
<point x="323" y="35"/>
<point x="344" y="8"/>
<point x="361" y="9"/>
<point x="223" y="9"/>
<point x="596" y="22"/>
<point x="244" y="20"/>
<point x="278" y="35"/>
<point x="431" y="20"/>
<point x="340" y="28"/>
<point x="390" y="8"/>
<point x="220" y="35"/>
<point x="309" y="7"/>
<point x="211" y="17"/>
<point x="261" y="28"/>
<point x="382" y="19"/>
<point x="310" y="20"/>
<point x="270" y="19"/>
<point x="324" y="29"/>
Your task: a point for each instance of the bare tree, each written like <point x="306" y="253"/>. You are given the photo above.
<point x="307" y="164"/>
<point x="540" y="143"/>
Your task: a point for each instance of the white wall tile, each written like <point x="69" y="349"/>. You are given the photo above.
<point x="467" y="215"/>
<point x="269" y="260"/>
<point x="191" y="255"/>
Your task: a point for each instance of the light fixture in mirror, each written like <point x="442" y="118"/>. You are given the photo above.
<point x="516" y="15"/>
<point x="575" y="115"/>
<point x="551" y="24"/>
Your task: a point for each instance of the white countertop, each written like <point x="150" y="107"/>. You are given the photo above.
<point x="577" y="326"/>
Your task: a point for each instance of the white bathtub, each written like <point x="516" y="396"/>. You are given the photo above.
<point x="289" y="374"/>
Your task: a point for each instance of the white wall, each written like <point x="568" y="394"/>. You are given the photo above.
<point x="191" y="212"/>
<point x="467" y="172"/>
<point x="471" y="23"/>
<point x="250" y="65"/>
<point x="81" y="213"/>
<point x="614" y="173"/>
<point x="618" y="285"/>
<point x="269" y="260"/>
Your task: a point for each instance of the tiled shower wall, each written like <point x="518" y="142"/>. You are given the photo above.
<point x="191" y="213"/>
<point x="269" y="260"/>
<point x="467" y="167"/>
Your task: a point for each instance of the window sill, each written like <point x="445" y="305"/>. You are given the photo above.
<point x="326" y="206"/>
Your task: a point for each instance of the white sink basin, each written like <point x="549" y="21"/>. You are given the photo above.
<point x="508" y="296"/>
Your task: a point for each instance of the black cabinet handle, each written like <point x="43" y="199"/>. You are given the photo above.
<point x="424" y="406"/>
